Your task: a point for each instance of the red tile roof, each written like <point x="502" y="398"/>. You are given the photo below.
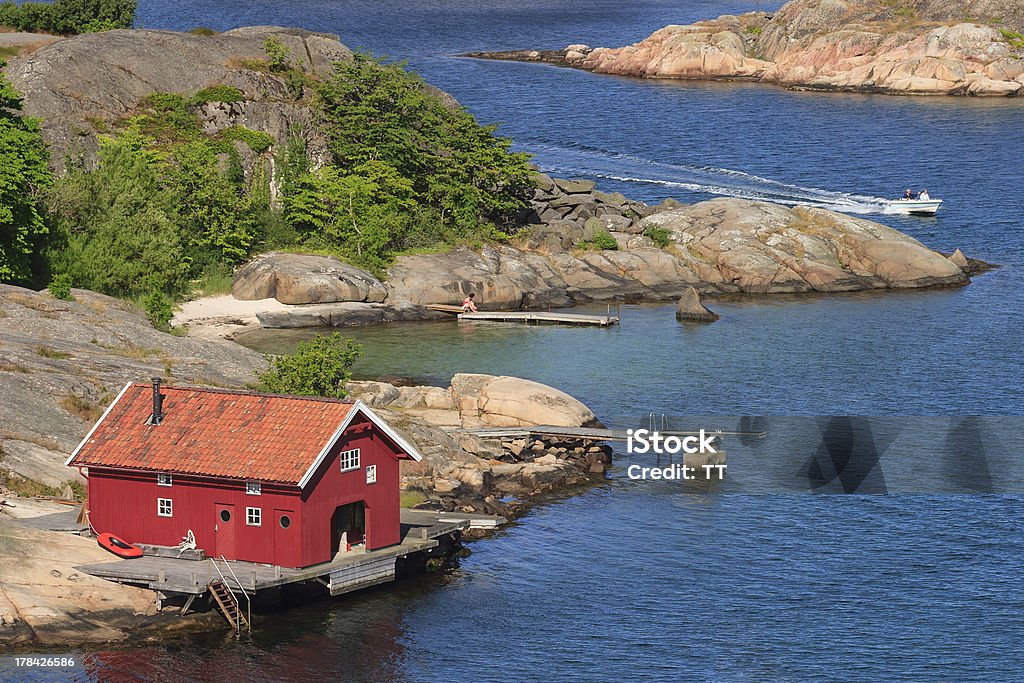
<point x="213" y="432"/>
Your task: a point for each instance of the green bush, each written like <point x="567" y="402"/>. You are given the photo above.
<point x="164" y="102"/>
<point x="24" y="177"/>
<point x="203" y="31"/>
<point x="603" y="240"/>
<point x="10" y="15"/>
<point x="277" y="53"/>
<point x="319" y="367"/>
<point x="159" y="310"/>
<point x="60" y="288"/>
<point x="69" y="17"/>
<point x="117" y="225"/>
<point x="216" y="93"/>
<point x="257" y="141"/>
<point x="660" y="236"/>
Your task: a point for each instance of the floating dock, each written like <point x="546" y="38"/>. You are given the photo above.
<point x="528" y="317"/>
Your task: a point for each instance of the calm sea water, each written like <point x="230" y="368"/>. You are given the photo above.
<point x="639" y="581"/>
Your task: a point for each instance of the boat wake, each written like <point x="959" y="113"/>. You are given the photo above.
<point x="725" y="182"/>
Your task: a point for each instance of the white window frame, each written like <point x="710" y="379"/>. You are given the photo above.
<point x="371" y="474"/>
<point x="160" y="503"/>
<point x="349" y="460"/>
<point x="164" y="479"/>
<point x="253" y="516"/>
<point x="253" y="488"/>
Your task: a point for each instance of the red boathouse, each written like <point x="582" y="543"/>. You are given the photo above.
<point x="280" y="480"/>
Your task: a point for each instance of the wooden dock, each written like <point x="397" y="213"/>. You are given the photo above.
<point x="350" y="571"/>
<point x="528" y="317"/>
<point x="540" y="318"/>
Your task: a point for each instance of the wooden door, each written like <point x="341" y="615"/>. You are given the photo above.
<point x="225" y="530"/>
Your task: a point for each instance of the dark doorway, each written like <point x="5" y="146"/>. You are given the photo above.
<point x="348" y="527"/>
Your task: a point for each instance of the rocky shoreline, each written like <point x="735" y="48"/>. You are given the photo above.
<point x="61" y="362"/>
<point x="925" y="48"/>
<point x="717" y="247"/>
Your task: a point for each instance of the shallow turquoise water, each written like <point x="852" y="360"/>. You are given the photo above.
<point x="640" y="581"/>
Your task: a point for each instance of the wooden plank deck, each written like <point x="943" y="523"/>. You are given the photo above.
<point x="540" y="317"/>
<point x="420" y="530"/>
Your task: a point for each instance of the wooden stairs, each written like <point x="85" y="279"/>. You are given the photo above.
<point x="228" y="604"/>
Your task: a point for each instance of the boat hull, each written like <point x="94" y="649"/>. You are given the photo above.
<point x="919" y="207"/>
<point x="118" y="546"/>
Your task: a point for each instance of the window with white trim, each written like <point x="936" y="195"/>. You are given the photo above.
<point x="163" y="479"/>
<point x="253" y="516"/>
<point x="253" y="488"/>
<point x="371" y="474"/>
<point x="349" y="460"/>
<point x="164" y="507"/>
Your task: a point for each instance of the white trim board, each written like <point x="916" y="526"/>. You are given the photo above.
<point x="103" y="417"/>
<point x="359" y="407"/>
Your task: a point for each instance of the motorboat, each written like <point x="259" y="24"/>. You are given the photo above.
<point x="119" y="546"/>
<point x="919" y="207"/>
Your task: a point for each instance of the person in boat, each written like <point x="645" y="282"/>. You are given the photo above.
<point x="468" y="306"/>
<point x="908" y="195"/>
<point x="923" y="195"/>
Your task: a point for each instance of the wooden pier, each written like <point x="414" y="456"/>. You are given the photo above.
<point x="421" y="531"/>
<point x="529" y="317"/>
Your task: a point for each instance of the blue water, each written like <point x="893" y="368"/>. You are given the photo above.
<point x="639" y="581"/>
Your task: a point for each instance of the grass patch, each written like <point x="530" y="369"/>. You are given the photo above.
<point x="752" y="30"/>
<point x="12" y="367"/>
<point x="203" y="31"/>
<point x="47" y="352"/>
<point x="1014" y="38"/>
<point x="29" y="301"/>
<point x="216" y="93"/>
<point x="133" y="352"/>
<point x="25" y="488"/>
<point x="214" y="281"/>
<point x="661" y="237"/>
<point x="81" y="407"/>
<point x="4" y="314"/>
<point x="409" y="499"/>
<point x="250" y="64"/>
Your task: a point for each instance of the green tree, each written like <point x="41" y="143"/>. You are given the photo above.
<point x="277" y="53"/>
<point x="381" y="112"/>
<point x="319" y="367"/>
<point x="216" y="215"/>
<point x="118" y="226"/>
<point x="24" y="177"/>
<point x="365" y="212"/>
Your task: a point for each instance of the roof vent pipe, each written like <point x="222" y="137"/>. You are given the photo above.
<point x="158" y="404"/>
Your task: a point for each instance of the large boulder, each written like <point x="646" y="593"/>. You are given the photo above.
<point x="305" y="279"/>
<point x="759" y="247"/>
<point x="512" y="401"/>
<point x="690" y="308"/>
<point x="501" y="278"/>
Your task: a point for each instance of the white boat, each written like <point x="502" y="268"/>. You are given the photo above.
<point x="921" y="207"/>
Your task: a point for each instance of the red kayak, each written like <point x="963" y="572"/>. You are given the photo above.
<point x="119" y="546"/>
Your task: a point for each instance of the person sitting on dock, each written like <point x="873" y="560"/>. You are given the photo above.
<point x="467" y="304"/>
